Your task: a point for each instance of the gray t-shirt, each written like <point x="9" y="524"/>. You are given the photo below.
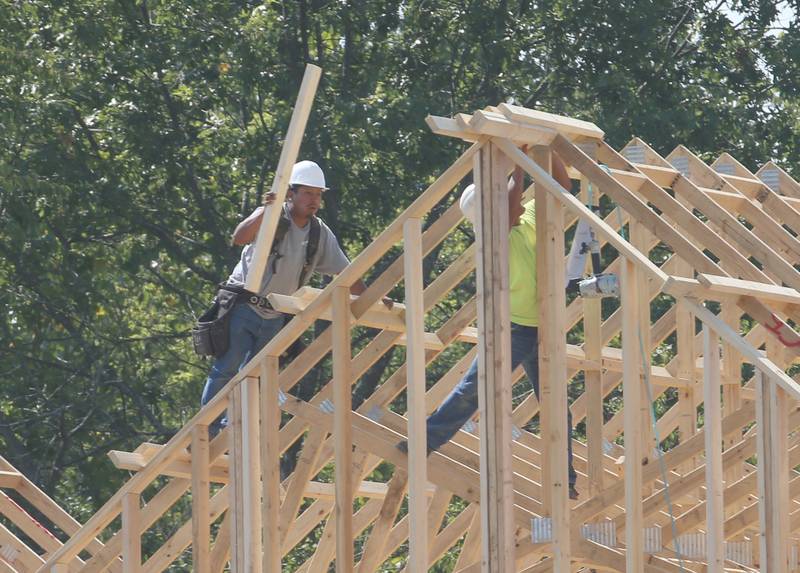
<point x="282" y="276"/>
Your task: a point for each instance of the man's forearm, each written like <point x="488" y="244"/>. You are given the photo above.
<point x="246" y="231"/>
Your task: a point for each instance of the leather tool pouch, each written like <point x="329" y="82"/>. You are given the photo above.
<point x="211" y="334"/>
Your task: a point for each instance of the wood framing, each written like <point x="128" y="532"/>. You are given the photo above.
<point x="696" y="247"/>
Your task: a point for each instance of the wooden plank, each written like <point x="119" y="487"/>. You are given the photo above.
<point x="634" y="525"/>
<point x="496" y="124"/>
<point x="471" y="549"/>
<point x="732" y="386"/>
<point x="640" y="238"/>
<point x="593" y="376"/>
<point x="236" y="494"/>
<point x="280" y="185"/>
<point x="374" y="549"/>
<point x="449" y="127"/>
<point x="222" y="546"/>
<point x="201" y="524"/>
<point x="10" y="479"/>
<point x="494" y="371"/>
<point x="766" y="292"/>
<point x="131" y="534"/>
<point x="415" y="376"/>
<point x="270" y="464"/>
<point x="569" y="126"/>
<point x="772" y="482"/>
<point x="715" y="515"/>
<point x="552" y="356"/>
<point x="251" y="475"/>
<point x="343" y="433"/>
<point x="302" y="473"/>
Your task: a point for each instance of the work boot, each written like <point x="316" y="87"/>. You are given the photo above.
<point x="403" y="447"/>
<point x="573" y="492"/>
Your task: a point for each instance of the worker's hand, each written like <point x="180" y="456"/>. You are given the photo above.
<point x="269" y="198"/>
<point x="389" y="303"/>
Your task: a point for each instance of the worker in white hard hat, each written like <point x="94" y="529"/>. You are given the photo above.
<point x="462" y="403"/>
<point x="303" y="244"/>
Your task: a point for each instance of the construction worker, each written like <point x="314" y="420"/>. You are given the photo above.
<point x="303" y="244"/>
<point x="462" y="403"/>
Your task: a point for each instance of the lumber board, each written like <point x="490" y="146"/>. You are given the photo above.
<point x="131" y="533"/>
<point x="342" y="358"/>
<point x="415" y="388"/>
<point x="201" y="524"/>
<point x="712" y="408"/>
<point x="631" y="381"/>
<point x="494" y="371"/>
<point x="283" y="173"/>
<point x="566" y="125"/>
<point x="270" y="465"/>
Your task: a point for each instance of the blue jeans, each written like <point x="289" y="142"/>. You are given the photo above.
<point x="462" y="402"/>
<point x="249" y="333"/>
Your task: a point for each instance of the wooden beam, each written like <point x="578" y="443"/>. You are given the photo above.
<point x="374" y="548"/>
<point x="566" y="125"/>
<point x="343" y="432"/>
<point x="765" y="292"/>
<point x="494" y="370"/>
<point x="270" y="464"/>
<point x="280" y="185"/>
<point x="632" y="390"/>
<point x="131" y="534"/>
<point x="552" y="357"/>
<point x="251" y="475"/>
<point x="201" y="524"/>
<point x="416" y="387"/>
<point x="772" y="477"/>
<point x="236" y="489"/>
<point x="715" y="514"/>
<point x="593" y="376"/>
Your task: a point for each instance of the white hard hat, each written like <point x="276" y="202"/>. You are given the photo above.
<point x="467" y="203"/>
<point x="309" y="174"/>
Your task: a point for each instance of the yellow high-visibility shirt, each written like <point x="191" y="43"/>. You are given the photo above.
<point x="522" y="269"/>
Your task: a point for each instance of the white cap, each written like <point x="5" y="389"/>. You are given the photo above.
<point x="307" y="173"/>
<point x="467" y="203"/>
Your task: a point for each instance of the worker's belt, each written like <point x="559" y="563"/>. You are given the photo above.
<point x="259" y="301"/>
<point x="245" y="296"/>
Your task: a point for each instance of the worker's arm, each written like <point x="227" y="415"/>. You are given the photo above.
<point x="247" y="230"/>
<point x="358" y="287"/>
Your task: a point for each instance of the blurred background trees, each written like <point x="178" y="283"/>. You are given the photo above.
<point x="135" y="134"/>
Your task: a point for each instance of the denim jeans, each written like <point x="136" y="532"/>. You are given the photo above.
<point x="249" y="333"/>
<point x="462" y="402"/>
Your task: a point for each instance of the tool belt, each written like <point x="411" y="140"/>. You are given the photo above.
<point x="211" y="334"/>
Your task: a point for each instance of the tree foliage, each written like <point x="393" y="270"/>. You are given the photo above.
<point x="136" y="133"/>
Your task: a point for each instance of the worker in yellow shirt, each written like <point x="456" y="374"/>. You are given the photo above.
<point x="462" y="403"/>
